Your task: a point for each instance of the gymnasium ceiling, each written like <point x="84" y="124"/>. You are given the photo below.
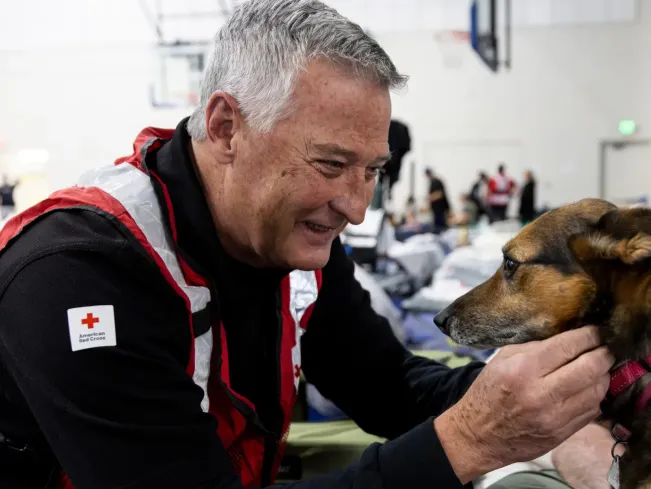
<point x="67" y="23"/>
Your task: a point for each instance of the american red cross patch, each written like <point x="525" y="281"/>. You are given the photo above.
<point x="91" y="327"/>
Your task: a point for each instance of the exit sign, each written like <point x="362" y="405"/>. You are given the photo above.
<point x="627" y="127"/>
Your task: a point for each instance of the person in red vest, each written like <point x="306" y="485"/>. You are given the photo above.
<point x="157" y="316"/>
<point x="500" y="190"/>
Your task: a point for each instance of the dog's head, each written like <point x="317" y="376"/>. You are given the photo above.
<point x="554" y="273"/>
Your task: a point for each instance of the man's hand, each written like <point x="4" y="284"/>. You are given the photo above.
<point x="584" y="459"/>
<point x="526" y="401"/>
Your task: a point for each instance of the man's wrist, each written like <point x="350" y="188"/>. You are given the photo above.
<point x="462" y="447"/>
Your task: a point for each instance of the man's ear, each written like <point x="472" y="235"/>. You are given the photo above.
<point x="223" y="119"/>
<point x="596" y="245"/>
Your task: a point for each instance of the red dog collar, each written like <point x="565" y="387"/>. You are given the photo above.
<point x="626" y="375"/>
<point x="644" y="398"/>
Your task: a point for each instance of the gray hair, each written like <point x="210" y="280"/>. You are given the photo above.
<point x="266" y="43"/>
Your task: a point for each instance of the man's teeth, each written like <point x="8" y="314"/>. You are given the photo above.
<point x="317" y="227"/>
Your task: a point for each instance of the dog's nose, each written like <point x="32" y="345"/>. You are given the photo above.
<point x="442" y="320"/>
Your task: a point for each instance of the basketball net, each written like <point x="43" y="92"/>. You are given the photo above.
<point x="453" y="45"/>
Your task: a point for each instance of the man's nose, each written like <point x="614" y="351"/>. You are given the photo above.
<point x="353" y="201"/>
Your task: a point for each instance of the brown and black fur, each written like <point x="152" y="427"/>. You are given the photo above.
<point x="585" y="263"/>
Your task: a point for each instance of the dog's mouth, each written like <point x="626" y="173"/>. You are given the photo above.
<point x="483" y="337"/>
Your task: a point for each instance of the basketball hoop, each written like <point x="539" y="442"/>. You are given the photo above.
<point x="453" y="45"/>
<point x="179" y="70"/>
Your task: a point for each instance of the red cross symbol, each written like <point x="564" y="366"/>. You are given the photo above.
<point x="297" y="371"/>
<point x="90" y="321"/>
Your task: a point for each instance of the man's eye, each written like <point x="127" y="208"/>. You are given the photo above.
<point x="509" y="266"/>
<point x="332" y="164"/>
<point x="375" y="171"/>
<point x="329" y="168"/>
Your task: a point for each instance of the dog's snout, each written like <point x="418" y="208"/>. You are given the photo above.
<point x="442" y="320"/>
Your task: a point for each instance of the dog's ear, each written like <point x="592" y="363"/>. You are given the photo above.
<point x="636" y="249"/>
<point x="597" y="245"/>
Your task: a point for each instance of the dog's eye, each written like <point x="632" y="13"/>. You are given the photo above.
<point x="509" y="265"/>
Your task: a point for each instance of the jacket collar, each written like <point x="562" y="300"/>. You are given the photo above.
<point x="196" y="233"/>
<point x="170" y="160"/>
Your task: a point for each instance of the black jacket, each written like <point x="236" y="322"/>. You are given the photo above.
<point x="129" y="416"/>
<point x="399" y="145"/>
<point x="528" y="199"/>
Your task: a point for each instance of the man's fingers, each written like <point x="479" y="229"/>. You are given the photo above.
<point x="579" y="423"/>
<point x="565" y="347"/>
<point x="590" y="368"/>
<point x="584" y="406"/>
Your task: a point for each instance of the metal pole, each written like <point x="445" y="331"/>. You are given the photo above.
<point x="507" y="34"/>
<point x="412" y="179"/>
<point x="153" y="22"/>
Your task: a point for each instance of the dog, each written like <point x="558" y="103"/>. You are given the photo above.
<point x="584" y="263"/>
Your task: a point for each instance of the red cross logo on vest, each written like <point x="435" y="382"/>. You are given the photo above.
<point x="303" y="291"/>
<point x="91" y="327"/>
<point x="296" y="356"/>
<point x="90" y="321"/>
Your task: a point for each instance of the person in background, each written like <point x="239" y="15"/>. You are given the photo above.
<point x="399" y="145"/>
<point x="528" y="199"/>
<point x="500" y="189"/>
<point x="468" y="214"/>
<point x="477" y="194"/>
<point x="411" y="212"/>
<point x="7" y="197"/>
<point x="438" y="201"/>
<point x="410" y="224"/>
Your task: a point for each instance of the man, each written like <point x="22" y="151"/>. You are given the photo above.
<point x="6" y="197"/>
<point x="477" y="194"/>
<point x="156" y="317"/>
<point x="438" y="201"/>
<point x="500" y="189"/>
<point x="528" y="199"/>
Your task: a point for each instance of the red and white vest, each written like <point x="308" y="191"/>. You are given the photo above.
<point x="500" y="187"/>
<point x="126" y="192"/>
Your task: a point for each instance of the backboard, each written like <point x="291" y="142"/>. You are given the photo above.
<point x="485" y="32"/>
<point x="179" y="69"/>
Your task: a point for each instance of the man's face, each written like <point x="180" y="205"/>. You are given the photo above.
<point x="290" y="192"/>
